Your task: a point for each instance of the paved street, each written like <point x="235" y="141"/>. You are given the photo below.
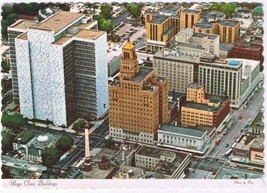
<point x="250" y="112"/>
<point x="204" y="167"/>
<point x="122" y="17"/>
<point x="97" y="138"/>
<point x="21" y="164"/>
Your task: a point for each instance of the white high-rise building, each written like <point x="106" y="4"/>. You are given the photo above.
<point x="61" y="68"/>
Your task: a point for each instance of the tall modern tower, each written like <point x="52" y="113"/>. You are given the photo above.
<point x="60" y="68"/>
<point x="138" y="100"/>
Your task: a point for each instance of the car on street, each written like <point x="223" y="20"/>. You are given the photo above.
<point x="226" y="145"/>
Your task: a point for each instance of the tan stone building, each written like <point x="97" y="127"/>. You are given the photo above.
<point x="161" y="26"/>
<point x="189" y="17"/>
<point x="201" y="109"/>
<point x="138" y="100"/>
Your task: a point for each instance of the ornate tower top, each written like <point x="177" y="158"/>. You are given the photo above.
<point x="129" y="65"/>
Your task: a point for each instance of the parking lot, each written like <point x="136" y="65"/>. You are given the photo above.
<point x="136" y="34"/>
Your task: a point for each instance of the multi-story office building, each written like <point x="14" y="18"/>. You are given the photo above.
<point x="202" y="109"/>
<point x="215" y="22"/>
<point x="233" y="77"/>
<point x="180" y="62"/>
<point x="138" y="100"/>
<point x="189" y="17"/>
<point x="61" y="68"/>
<point x="189" y="41"/>
<point x="208" y="22"/>
<point x="229" y="31"/>
<point x="247" y="51"/>
<point x="161" y="26"/>
<point x="14" y="31"/>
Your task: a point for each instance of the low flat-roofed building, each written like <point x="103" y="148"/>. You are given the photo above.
<point x="23" y="141"/>
<point x="128" y="172"/>
<point x="166" y="163"/>
<point x="234" y="173"/>
<point x="256" y="153"/>
<point x="188" y="138"/>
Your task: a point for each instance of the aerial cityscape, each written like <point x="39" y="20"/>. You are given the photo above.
<point x="132" y="90"/>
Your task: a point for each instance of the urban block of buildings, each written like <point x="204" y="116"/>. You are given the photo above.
<point x="202" y="109"/>
<point x="249" y="148"/>
<point x="162" y="163"/>
<point x="138" y="100"/>
<point x="234" y="78"/>
<point x="59" y="68"/>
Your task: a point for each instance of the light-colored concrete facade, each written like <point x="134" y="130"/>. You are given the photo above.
<point x="182" y="137"/>
<point x="62" y="73"/>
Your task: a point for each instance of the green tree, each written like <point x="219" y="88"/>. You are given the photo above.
<point x="105" y="25"/>
<point x="64" y="143"/>
<point x="109" y="142"/>
<point x="7" y="141"/>
<point x="134" y="9"/>
<point x="106" y="10"/>
<point x="79" y="125"/>
<point x="50" y="156"/>
<point x="15" y="121"/>
<point x="5" y="66"/>
<point x="6" y="10"/>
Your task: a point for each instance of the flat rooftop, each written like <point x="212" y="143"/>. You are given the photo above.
<point x="203" y="25"/>
<point x="189" y="45"/>
<point x="183" y="130"/>
<point x="258" y="143"/>
<point x="23" y="24"/>
<point x="167" y="31"/>
<point x="203" y="107"/>
<point x="177" y="94"/>
<point x="213" y="15"/>
<point x="157" y="153"/>
<point x="195" y="85"/>
<point x="229" y="23"/>
<point x="133" y="172"/>
<point x="192" y="11"/>
<point x="89" y="34"/>
<point x="59" y="21"/>
<point x="216" y="98"/>
<point x="231" y="173"/>
<point x="170" y="9"/>
<point x="202" y="35"/>
<point x="143" y="72"/>
<point x="159" y="19"/>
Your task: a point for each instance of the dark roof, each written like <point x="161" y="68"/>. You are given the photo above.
<point x="34" y="151"/>
<point x="191" y="11"/>
<point x="143" y="72"/>
<point x="203" y="107"/>
<point x="212" y="15"/>
<point x="202" y="35"/>
<point x="158" y="19"/>
<point x="230" y="23"/>
<point x="183" y="130"/>
<point x="170" y="9"/>
<point x="216" y="98"/>
<point x="189" y="45"/>
<point x="203" y="25"/>
<point x="177" y="94"/>
<point x="24" y="137"/>
<point x="167" y="31"/>
<point x="195" y="85"/>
